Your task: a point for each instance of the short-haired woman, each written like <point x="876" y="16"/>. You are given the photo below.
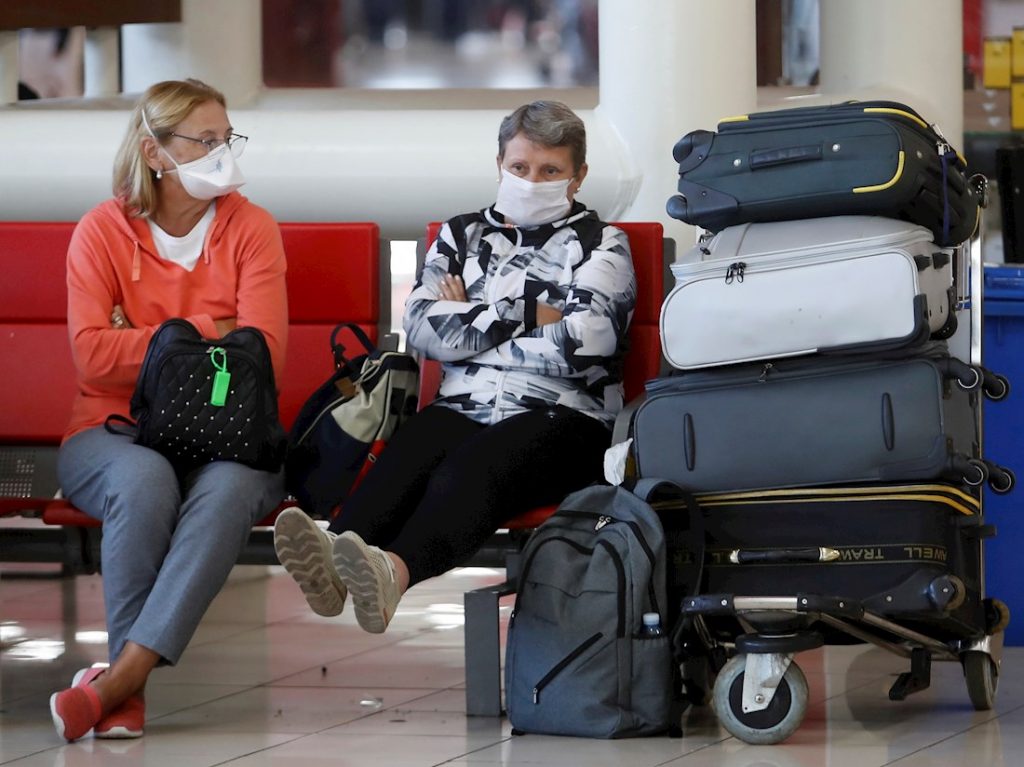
<point x="527" y="304"/>
<point x="177" y="240"/>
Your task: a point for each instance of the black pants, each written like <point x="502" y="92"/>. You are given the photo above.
<point x="445" y="483"/>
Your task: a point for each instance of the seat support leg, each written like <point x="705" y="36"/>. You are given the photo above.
<point x="482" y="646"/>
<point x="483" y="649"/>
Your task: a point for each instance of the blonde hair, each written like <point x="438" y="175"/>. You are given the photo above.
<point x="165" y="105"/>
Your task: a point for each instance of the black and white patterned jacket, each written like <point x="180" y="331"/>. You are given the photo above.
<point x="497" y="362"/>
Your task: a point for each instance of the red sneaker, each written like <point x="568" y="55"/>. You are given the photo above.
<point x="77" y="709"/>
<point x="125" y="721"/>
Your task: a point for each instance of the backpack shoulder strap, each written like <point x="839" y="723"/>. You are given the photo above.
<point x="590" y="231"/>
<point x="458" y="227"/>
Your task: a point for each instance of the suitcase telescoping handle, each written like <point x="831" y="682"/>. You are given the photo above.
<point x="782" y="556"/>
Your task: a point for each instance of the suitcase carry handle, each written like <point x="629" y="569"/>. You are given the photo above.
<point x="783" y="556"/>
<point x="769" y="158"/>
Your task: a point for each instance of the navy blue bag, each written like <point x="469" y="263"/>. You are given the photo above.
<point x="346" y="422"/>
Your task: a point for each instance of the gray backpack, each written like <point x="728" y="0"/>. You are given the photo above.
<point x="576" y="661"/>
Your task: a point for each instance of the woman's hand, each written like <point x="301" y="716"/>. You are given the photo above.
<point x="225" y="326"/>
<point x="118" y="319"/>
<point x="452" y="288"/>
<point x="547" y="315"/>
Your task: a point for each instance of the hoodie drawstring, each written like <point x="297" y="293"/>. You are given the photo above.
<point x="136" y="263"/>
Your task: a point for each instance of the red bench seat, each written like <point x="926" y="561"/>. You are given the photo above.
<point x="335" y="274"/>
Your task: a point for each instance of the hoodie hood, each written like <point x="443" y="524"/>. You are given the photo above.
<point x="533" y="235"/>
<point x="136" y="228"/>
<point x="576" y="212"/>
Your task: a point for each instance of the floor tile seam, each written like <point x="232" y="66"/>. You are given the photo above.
<point x="956" y="734"/>
<point x="503" y="739"/>
<point x="283" y="622"/>
<point x="323" y="665"/>
<point x="17" y="759"/>
<point x="846" y="690"/>
<point x="427" y="690"/>
<point x="259" y="751"/>
<point x="697" y="750"/>
<point x="435" y="691"/>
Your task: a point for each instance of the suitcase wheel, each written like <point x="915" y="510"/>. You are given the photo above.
<point x="982" y="677"/>
<point x="677" y="207"/>
<point x="997" y="615"/>
<point x="1000" y="479"/>
<point x="948" y="328"/>
<point x="770" y="725"/>
<point x="974" y="379"/>
<point x="973" y="471"/>
<point x="996" y="387"/>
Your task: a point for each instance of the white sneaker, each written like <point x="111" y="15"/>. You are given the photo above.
<point x="369" y="575"/>
<point x="305" y="551"/>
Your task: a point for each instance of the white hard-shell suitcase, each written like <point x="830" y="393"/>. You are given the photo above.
<point x="842" y="284"/>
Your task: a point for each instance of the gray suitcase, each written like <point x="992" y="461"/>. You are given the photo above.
<point x="817" y="421"/>
<point x="846" y="283"/>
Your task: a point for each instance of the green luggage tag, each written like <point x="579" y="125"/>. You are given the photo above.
<point x="221" y="379"/>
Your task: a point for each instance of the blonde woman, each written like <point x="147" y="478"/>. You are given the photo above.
<point x="176" y="240"/>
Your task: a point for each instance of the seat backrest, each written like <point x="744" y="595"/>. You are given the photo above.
<point x="334" y="275"/>
<point x="38" y="381"/>
<point x="643" y="360"/>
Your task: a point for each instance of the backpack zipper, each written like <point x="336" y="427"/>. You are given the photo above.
<point x="604" y="520"/>
<point x="560" y="666"/>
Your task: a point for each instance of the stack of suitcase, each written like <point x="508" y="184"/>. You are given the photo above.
<point x="832" y="440"/>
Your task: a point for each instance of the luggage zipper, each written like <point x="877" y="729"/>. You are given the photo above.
<point x="560" y="666"/>
<point x="765" y="372"/>
<point x="602" y="521"/>
<point x="735" y="272"/>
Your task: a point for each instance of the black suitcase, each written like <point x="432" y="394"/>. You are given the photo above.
<point x="907" y="552"/>
<point x="872" y="157"/>
<point x="813" y="421"/>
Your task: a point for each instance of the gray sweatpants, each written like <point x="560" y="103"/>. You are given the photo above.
<point x="169" y="542"/>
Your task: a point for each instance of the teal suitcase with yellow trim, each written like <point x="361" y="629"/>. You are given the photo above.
<point x="857" y="158"/>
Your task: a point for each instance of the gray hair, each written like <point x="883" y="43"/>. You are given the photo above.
<point x="548" y="123"/>
<point x="165" y="105"/>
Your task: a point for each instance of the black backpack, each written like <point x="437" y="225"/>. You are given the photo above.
<point x="199" y="400"/>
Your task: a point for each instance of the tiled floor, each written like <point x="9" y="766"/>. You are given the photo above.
<point x="266" y="682"/>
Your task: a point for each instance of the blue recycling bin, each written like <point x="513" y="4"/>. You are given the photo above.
<point x="1003" y="352"/>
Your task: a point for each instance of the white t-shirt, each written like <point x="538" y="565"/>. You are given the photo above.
<point x="184" y="251"/>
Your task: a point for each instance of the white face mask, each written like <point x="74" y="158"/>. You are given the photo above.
<point x="211" y="176"/>
<point x="529" y="203"/>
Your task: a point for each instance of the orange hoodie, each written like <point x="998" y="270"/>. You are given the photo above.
<point x="112" y="260"/>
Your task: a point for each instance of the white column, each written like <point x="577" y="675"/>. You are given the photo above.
<point x="102" y="61"/>
<point x="668" y="67"/>
<point x="902" y="50"/>
<point x="8" y="67"/>
<point x="217" y="42"/>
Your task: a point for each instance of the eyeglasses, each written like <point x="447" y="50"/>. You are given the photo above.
<point x="236" y="142"/>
